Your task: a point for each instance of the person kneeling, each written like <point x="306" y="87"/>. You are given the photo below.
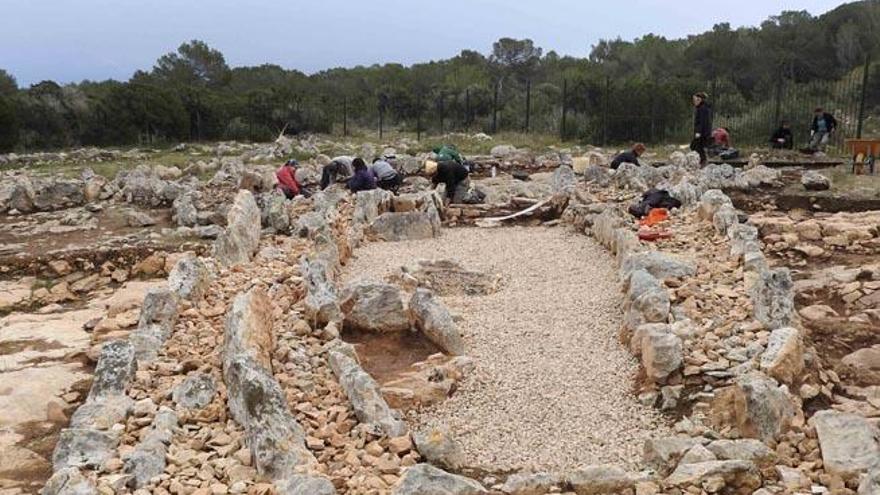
<point x="363" y="179"/>
<point x="386" y="177"/>
<point x="631" y="156"/>
<point x="287" y="182"/>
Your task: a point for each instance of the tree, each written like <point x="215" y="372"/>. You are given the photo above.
<point x="519" y="58"/>
<point x="8" y="124"/>
<point x="8" y="86"/>
<point x="194" y="64"/>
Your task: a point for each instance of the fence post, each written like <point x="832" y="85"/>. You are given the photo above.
<point x="468" y="119"/>
<point x="495" y="109"/>
<point x="778" y="107"/>
<point x="345" y="116"/>
<point x="419" y="119"/>
<point x="442" y="111"/>
<point x="605" y="112"/>
<point x="861" y="117"/>
<point x="562" y="132"/>
<point x="528" y="103"/>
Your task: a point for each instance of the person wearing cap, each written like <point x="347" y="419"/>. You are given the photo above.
<point x="338" y="170"/>
<point x="702" y="125"/>
<point x="631" y="156"/>
<point x="363" y="179"/>
<point x="386" y="177"/>
<point x="455" y="176"/>
<point x="287" y="182"/>
<point x="821" y="128"/>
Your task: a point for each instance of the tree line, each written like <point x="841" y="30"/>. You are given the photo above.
<point x="621" y="90"/>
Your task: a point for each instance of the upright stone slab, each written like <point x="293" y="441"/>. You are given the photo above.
<point x="773" y="298"/>
<point x="249" y="327"/>
<point x="115" y="371"/>
<point x="658" y="264"/>
<point x="148" y="459"/>
<point x="434" y="320"/>
<point x="710" y="202"/>
<point x="69" y="481"/>
<point x="321" y="302"/>
<point x="257" y="403"/>
<point x="189" y="278"/>
<point x="84" y="448"/>
<point x="239" y="242"/>
<point x="365" y="397"/>
<point x="156" y="323"/>
<point x="784" y="357"/>
<point x="408" y="226"/>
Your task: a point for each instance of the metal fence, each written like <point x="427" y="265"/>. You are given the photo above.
<point x="610" y="111"/>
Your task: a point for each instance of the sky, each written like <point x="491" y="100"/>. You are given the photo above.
<point x="73" y="40"/>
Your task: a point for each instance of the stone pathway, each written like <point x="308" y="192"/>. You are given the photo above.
<point x="553" y="386"/>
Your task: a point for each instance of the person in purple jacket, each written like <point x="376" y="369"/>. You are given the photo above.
<point x="363" y="179"/>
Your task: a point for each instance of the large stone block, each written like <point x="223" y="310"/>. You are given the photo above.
<point x="249" y="328"/>
<point x="239" y="242"/>
<point x="365" y="397"/>
<point x="374" y="306"/>
<point x="434" y="320"/>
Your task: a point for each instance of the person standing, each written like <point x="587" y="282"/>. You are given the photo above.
<point x="821" y="128"/>
<point x="702" y="125"/>
<point x="386" y="177"/>
<point x="363" y="179"/>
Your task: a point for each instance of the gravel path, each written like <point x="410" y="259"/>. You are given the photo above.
<point x="552" y="389"/>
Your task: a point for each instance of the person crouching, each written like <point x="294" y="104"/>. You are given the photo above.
<point x="287" y="182"/>
<point x="386" y="177"/>
<point x="363" y="179"/>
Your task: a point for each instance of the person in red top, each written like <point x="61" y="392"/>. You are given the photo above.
<point x="721" y="137"/>
<point x="287" y="182"/>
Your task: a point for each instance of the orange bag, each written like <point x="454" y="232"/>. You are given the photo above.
<point x="655" y="216"/>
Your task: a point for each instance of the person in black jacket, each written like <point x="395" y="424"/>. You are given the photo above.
<point x="702" y="125"/>
<point x="821" y="128"/>
<point x="455" y="176"/>
<point x="782" y="138"/>
<point x="631" y="156"/>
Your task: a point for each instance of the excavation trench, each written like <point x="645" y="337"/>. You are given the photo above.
<point x="553" y="386"/>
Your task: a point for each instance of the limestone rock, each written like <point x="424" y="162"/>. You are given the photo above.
<point x="257" y="403"/>
<point x="239" y="242"/>
<point x="249" y="328"/>
<point x="784" y="357"/>
<point x="757" y="405"/>
<point x="710" y="202"/>
<point x="183" y="209"/>
<point x="189" y="278"/>
<point x="850" y="444"/>
<point x="424" y="479"/>
<point x="448" y="278"/>
<point x="411" y="225"/>
<point x="773" y="298"/>
<point x="374" y="307"/>
<point x="365" y="396"/>
<point x="148" y="458"/>
<point x="600" y="479"/>
<point x="299" y="484"/>
<point x="368" y="205"/>
<point x="195" y="392"/>
<point x="69" y="481"/>
<point x="661" y="352"/>
<point x="742" y="476"/>
<point x="814" y="181"/>
<point x="663" y="454"/>
<point x="725" y="218"/>
<point x="530" y="484"/>
<point x="155" y="324"/>
<point x="321" y="302"/>
<point x="115" y="371"/>
<point x="434" y="320"/>
<point x="647" y="300"/>
<point x="870" y="484"/>
<point x="84" y="448"/>
<point x="438" y="447"/>
<point x="658" y="264"/>
<point x="746" y="449"/>
<point x="563" y="180"/>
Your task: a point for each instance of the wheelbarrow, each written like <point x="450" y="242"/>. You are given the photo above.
<point x="864" y="153"/>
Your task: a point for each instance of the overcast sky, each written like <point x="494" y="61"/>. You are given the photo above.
<point x="71" y="40"/>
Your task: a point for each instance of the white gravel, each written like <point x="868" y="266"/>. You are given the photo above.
<point x="553" y="386"/>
